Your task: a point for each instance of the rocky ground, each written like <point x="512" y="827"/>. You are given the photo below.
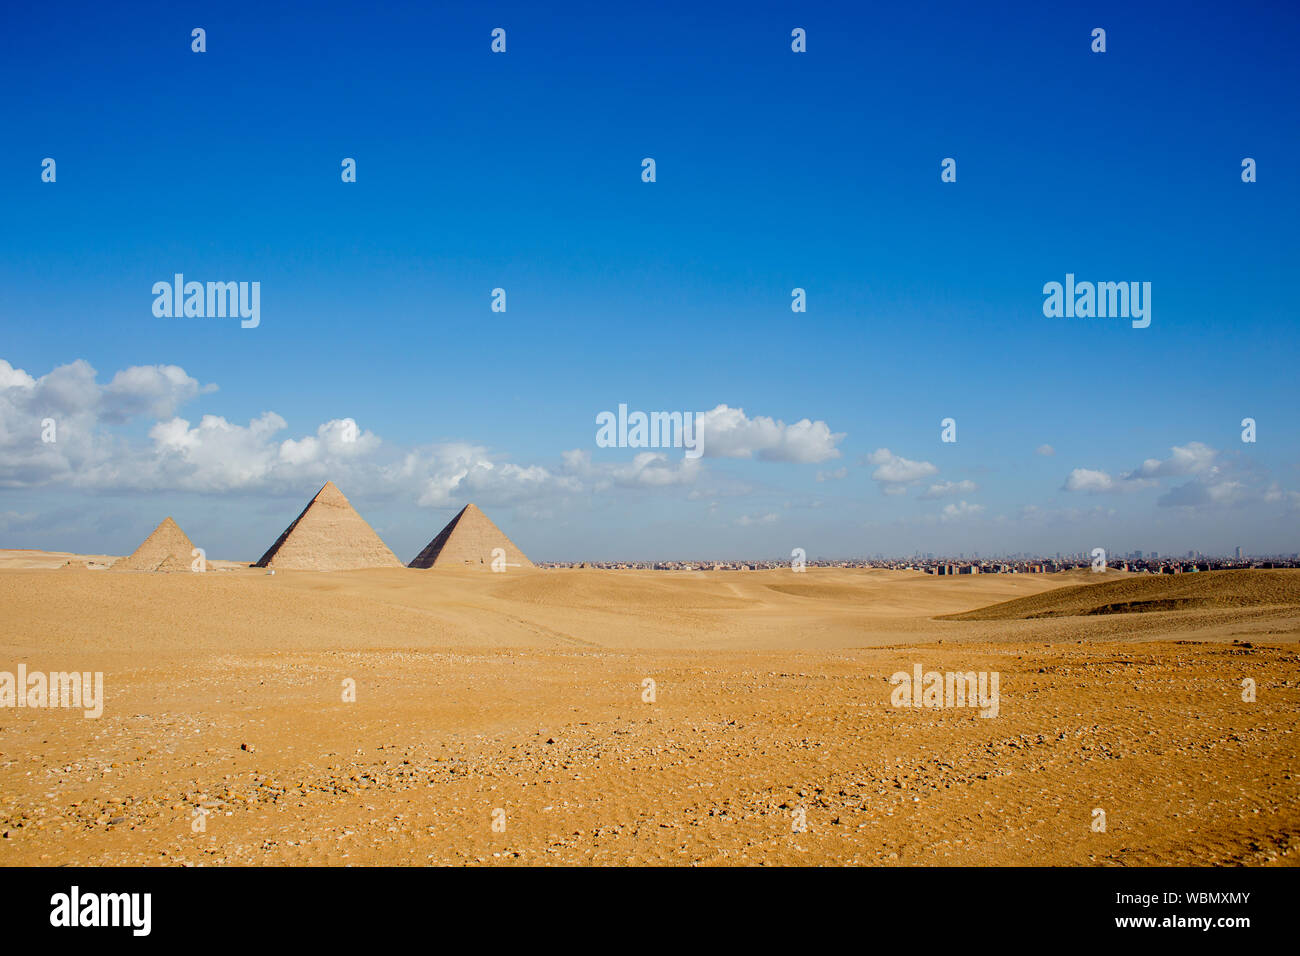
<point x="714" y="771"/>
<point x="552" y="755"/>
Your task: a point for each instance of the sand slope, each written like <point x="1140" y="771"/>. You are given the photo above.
<point x="399" y="607"/>
<point x="525" y="693"/>
<point x="1145" y="594"/>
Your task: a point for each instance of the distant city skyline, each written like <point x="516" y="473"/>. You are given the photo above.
<point x="1059" y="557"/>
<point x="873" y="273"/>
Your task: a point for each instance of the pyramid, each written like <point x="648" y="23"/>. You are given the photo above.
<point x="329" y="535"/>
<point x="167" y="549"/>
<point x="467" y="541"/>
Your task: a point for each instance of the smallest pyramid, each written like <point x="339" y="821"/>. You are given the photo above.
<point x="167" y="549"/>
<point x="468" y="542"/>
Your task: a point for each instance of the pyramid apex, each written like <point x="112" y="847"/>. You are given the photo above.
<point x="330" y="492"/>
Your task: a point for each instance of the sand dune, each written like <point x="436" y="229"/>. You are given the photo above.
<point x="523" y="692"/>
<point x="824" y="608"/>
<point x="14" y="559"/>
<point x="1174" y="592"/>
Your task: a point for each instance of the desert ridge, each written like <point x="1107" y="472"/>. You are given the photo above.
<point x="774" y="696"/>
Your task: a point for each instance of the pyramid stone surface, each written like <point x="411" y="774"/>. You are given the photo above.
<point x="167" y="549"/>
<point x="329" y="535"/>
<point x="467" y="542"/>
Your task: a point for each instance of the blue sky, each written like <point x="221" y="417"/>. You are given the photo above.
<point x="775" y="170"/>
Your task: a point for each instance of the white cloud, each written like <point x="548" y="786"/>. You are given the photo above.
<point x="834" y="475"/>
<point x="1199" y="493"/>
<point x="216" y="455"/>
<point x="153" y="390"/>
<point x="952" y="512"/>
<point x="728" y="433"/>
<point x="1047" y="451"/>
<point x="655" y="469"/>
<point x="1089" y="481"/>
<point x="894" y="470"/>
<point x="1092" y="482"/>
<point x="647" y="469"/>
<point x="339" y="437"/>
<point x="1215" y="482"/>
<point x="79" y="407"/>
<point x="746" y="520"/>
<point x="11" y="377"/>
<point x="454" y="473"/>
<point x="1274" y="493"/>
<point x="1190" y="459"/>
<point x="944" y="489"/>
<point x="71" y="390"/>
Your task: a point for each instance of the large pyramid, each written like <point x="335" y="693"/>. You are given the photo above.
<point x="329" y="535"/>
<point x="467" y="542"/>
<point x="167" y="549"/>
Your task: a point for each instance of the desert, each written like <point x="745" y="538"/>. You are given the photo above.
<point x="407" y="716"/>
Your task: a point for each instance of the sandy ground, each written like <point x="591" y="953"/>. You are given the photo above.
<point x="518" y="699"/>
